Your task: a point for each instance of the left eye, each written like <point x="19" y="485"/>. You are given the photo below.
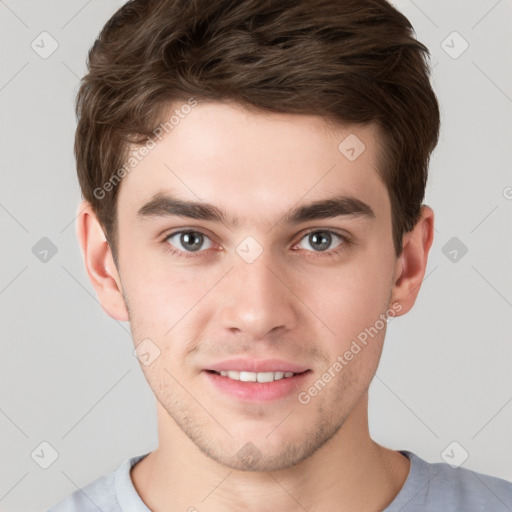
<point x="321" y="240"/>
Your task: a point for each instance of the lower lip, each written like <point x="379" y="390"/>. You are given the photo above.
<point x="257" y="391"/>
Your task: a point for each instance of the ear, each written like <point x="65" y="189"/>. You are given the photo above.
<point x="411" y="264"/>
<point x="99" y="263"/>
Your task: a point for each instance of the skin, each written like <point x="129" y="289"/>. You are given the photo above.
<point x="287" y="304"/>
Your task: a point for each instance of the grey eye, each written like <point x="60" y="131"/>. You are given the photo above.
<point x="321" y="240"/>
<point x="190" y="241"/>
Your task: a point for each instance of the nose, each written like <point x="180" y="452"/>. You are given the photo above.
<point x="257" y="299"/>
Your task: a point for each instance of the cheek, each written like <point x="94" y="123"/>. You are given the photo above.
<point x="348" y="298"/>
<point x="160" y="294"/>
<point x="169" y="307"/>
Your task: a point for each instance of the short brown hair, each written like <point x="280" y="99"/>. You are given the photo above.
<point x="350" y="61"/>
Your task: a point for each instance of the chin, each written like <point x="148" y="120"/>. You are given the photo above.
<point x="267" y="449"/>
<point x="251" y="458"/>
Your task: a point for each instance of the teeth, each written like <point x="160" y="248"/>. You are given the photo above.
<point x="256" y="377"/>
<point x="248" y="376"/>
<point x="265" y="377"/>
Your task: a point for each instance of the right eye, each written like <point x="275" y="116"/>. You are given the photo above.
<point x="189" y="240"/>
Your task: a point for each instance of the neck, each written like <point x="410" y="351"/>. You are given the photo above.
<point x="349" y="472"/>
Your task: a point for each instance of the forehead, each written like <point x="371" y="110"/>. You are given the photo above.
<point x="256" y="165"/>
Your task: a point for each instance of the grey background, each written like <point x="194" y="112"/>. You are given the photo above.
<point x="68" y="376"/>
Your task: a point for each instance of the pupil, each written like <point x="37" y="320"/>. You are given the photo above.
<point x="187" y="240"/>
<point x="324" y="240"/>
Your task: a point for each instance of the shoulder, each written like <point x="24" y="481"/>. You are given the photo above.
<point x="469" y="489"/>
<point x="98" y="495"/>
<point x="439" y="486"/>
<point x="113" y="492"/>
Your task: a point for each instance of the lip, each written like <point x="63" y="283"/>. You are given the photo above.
<point x="257" y="366"/>
<point x="256" y="391"/>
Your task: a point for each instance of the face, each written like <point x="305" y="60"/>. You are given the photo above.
<point x="274" y="285"/>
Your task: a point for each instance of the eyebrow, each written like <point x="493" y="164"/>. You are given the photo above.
<point x="161" y="205"/>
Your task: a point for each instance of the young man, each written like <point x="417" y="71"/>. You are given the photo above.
<point x="253" y="175"/>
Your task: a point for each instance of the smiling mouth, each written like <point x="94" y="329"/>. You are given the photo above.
<point x="244" y="376"/>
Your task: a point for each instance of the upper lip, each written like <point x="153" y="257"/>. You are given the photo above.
<point x="257" y="366"/>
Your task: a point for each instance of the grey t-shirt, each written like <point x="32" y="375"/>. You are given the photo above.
<point x="430" y="487"/>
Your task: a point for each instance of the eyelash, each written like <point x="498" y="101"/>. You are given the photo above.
<point x="318" y="254"/>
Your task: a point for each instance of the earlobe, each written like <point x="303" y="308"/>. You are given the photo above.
<point x="412" y="263"/>
<point x="99" y="263"/>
